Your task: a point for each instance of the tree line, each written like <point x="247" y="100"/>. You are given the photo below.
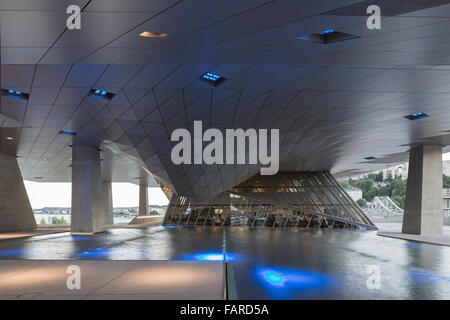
<point x="373" y="185"/>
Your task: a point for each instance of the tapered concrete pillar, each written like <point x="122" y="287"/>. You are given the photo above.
<point x="423" y="206"/>
<point x="87" y="198"/>
<point x="15" y="209"/>
<point x="108" y="202"/>
<point x="143" y="199"/>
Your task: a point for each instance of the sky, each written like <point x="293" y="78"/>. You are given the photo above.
<point x="47" y="194"/>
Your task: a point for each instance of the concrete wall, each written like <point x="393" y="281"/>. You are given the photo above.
<point x="15" y="209"/>
<point x="87" y="197"/>
<point x="423" y="204"/>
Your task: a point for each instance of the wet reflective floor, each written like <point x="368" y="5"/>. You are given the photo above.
<point x="270" y="263"/>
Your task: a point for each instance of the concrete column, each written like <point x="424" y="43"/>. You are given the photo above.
<point x="143" y="199"/>
<point x="423" y="206"/>
<point x="108" y="202"/>
<point x="87" y="198"/>
<point x="15" y="209"/>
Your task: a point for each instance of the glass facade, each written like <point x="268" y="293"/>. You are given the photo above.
<point x="298" y="200"/>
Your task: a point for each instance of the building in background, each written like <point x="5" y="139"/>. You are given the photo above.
<point x="446" y="167"/>
<point x="354" y="193"/>
<point x="446" y="202"/>
<point x="400" y="170"/>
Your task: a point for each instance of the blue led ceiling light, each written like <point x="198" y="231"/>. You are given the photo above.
<point x="212" y="79"/>
<point x="211" y="76"/>
<point x="415" y="116"/>
<point x="67" y="133"/>
<point x="15" y="94"/>
<point x="327" y="36"/>
<point x="101" y="94"/>
<point x="327" y="31"/>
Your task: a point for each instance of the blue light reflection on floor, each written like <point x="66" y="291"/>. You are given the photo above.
<point x="79" y="238"/>
<point x="427" y="277"/>
<point x="283" y="283"/>
<point x="94" y="253"/>
<point x="13" y="253"/>
<point x="418" y="245"/>
<point x="274" y="278"/>
<point x="412" y="245"/>
<point x="210" y="256"/>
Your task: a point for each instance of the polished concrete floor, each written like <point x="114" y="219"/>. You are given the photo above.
<point x="269" y="263"/>
<point x="394" y="230"/>
<point x="32" y="233"/>
<point x="443" y="240"/>
<point x="175" y="280"/>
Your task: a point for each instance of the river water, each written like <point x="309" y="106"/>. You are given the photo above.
<point x="48" y="218"/>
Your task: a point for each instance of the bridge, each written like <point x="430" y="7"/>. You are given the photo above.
<point x="383" y="207"/>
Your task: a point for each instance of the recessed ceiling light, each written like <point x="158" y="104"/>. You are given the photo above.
<point x="67" y="133"/>
<point x="45" y="159"/>
<point x="101" y="94"/>
<point x="15" y="94"/>
<point x="154" y="35"/>
<point x="327" y="31"/>
<point x="9" y="138"/>
<point x="212" y="79"/>
<point x="415" y="116"/>
<point x="328" y="36"/>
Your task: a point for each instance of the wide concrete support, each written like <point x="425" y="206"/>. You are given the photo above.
<point x="15" y="209"/>
<point x="108" y="202"/>
<point x="423" y="206"/>
<point x="88" y="215"/>
<point x="143" y="200"/>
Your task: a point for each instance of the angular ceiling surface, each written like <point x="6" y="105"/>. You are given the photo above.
<point x="334" y="104"/>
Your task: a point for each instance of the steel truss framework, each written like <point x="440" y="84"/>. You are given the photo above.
<point x="299" y="200"/>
